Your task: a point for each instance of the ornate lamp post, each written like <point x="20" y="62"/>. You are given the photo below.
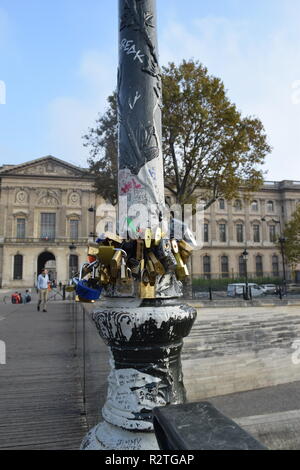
<point x="144" y="332"/>
<point x="245" y="257"/>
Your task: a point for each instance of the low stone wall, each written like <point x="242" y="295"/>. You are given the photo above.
<point x="236" y="349"/>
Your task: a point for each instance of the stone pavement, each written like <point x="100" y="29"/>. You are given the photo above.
<point x="40" y="392"/>
<point x="270" y="414"/>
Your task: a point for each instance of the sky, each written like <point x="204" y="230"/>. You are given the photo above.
<point x="58" y="64"/>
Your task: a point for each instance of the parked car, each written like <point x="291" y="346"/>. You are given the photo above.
<point x="237" y="290"/>
<point x="269" y="288"/>
<point x="293" y="287"/>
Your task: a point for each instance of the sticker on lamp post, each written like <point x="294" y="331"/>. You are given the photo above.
<point x="2" y="92"/>
<point x="2" y="353"/>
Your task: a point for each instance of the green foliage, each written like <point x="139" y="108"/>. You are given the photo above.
<point x="206" y="141"/>
<point x="102" y="140"/>
<point x="292" y="239"/>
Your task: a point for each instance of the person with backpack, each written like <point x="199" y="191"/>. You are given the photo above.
<point x="27" y="297"/>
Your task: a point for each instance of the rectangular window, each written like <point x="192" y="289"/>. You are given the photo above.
<point x="18" y="267"/>
<point x="74" y="229"/>
<point x="48" y="226"/>
<point x="207" y="267"/>
<point x="240" y="233"/>
<point x="21" y="228"/>
<point x="242" y="266"/>
<point x="206" y="233"/>
<point x="272" y="231"/>
<point x="222" y="228"/>
<point x="275" y="266"/>
<point x="256" y="233"/>
<point x="259" y="266"/>
<point x="225" y="267"/>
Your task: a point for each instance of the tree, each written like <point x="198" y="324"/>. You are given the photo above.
<point x="292" y="238"/>
<point x="102" y="141"/>
<point x="207" y="143"/>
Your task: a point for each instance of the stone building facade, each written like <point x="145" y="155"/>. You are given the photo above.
<point x="253" y="224"/>
<point x="44" y="220"/>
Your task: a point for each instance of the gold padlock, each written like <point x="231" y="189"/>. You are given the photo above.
<point x="106" y="254"/>
<point x="104" y="277"/>
<point x="148" y="238"/>
<point x="185" y="256"/>
<point x="146" y="291"/>
<point x="123" y="269"/>
<point x="93" y="250"/>
<point x="158" y="236"/>
<point x="183" y="245"/>
<point x="181" y="269"/>
<point x="158" y="266"/>
<point x="115" y="264"/>
<point x="174" y="246"/>
<point x="113" y="237"/>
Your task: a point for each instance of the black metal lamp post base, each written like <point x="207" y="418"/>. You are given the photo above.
<point x="145" y="344"/>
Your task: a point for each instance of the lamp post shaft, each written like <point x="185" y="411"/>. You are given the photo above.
<point x="139" y="105"/>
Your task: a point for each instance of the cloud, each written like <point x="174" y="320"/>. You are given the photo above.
<point x="70" y="116"/>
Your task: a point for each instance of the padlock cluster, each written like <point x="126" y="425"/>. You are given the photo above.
<point x="138" y="264"/>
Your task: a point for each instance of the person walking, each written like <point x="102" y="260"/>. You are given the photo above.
<point x="42" y="285"/>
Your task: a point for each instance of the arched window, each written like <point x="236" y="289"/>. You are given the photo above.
<point x="222" y="204"/>
<point x="18" y="267"/>
<point x="259" y="266"/>
<point x="275" y="265"/>
<point x="256" y="233"/>
<point x="223" y="232"/>
<point x="238" y="205"/>
<point x="254" y="206"/>
<point x="239" y="233"/>
<point x="207" y="267"/>
<point x="224" y="266"/>
<point x="206" y="233"/>
<point x="270" y="206"/>
<point x="73" y="265"/>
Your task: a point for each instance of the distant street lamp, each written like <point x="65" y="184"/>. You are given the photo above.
<point x="245" y="258"/>
<point x="94" y="211"/>
<point x="72" y="246"/>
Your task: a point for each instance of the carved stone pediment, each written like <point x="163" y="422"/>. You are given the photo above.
<point x="47" y="166"/>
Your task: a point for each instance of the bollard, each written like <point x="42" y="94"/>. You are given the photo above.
<point x="64" y="293"/>
<point x="210" y="294"/>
